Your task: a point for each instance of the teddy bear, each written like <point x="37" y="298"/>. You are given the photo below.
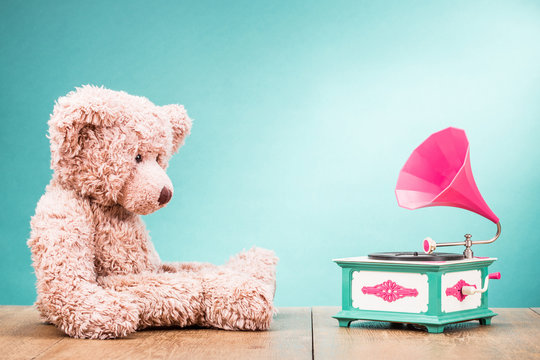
<point x="98" y="274"/>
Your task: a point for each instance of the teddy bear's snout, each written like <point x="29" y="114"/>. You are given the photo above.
<point x="164" y="196"/>
<point x="147" y="189"/>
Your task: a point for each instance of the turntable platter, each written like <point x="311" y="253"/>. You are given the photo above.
<point x="415" y="256"/>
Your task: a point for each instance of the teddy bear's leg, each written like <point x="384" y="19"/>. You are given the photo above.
<point x="239" y="295"/>
<point x="166" y="299"/>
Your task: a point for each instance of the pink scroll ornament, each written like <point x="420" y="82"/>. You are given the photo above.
<point x="389" y="291"/>
<point x="456" y="290"/>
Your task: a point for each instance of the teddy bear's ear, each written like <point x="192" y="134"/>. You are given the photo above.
<point x="73" y="115"/>
<point x="180" y="123"/>
<point x="67" y="137"/>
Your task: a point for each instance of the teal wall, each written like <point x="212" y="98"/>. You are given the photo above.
<point x="304" y="114"/>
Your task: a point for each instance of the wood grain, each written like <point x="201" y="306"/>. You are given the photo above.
<point x="288" y="338"/>
<point x="513" y="334"/>
<point x="22" y="336"/>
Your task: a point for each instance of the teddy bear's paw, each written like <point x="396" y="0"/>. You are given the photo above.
<point x="237" y="302"/>
<point x="101" y="321"/>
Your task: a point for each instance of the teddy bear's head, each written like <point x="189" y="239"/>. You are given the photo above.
<point x="113" y="147"/>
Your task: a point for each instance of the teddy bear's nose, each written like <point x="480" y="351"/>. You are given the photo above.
<point x="164" y="196"/>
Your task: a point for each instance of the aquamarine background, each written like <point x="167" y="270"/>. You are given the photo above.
<point x="304" y="112"/>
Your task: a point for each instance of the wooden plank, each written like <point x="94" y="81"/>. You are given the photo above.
<point x="288" y="338"/>
<point x="513" y="334"/>
<point x="22" y="335"/>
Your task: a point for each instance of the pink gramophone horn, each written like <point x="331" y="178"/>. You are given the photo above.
<point x="438" y="173"/>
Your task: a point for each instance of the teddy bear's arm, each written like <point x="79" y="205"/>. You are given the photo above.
<point x="68" y="294"/>
<point x="235" y="296"/>
<point x="166" y="299"/>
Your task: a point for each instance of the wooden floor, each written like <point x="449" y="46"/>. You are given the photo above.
<point x="296" y="333"/>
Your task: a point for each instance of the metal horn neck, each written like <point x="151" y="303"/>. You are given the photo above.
<point x="430" y="245"/>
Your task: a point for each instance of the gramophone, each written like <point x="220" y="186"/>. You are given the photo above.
<point x="429" y="288"/>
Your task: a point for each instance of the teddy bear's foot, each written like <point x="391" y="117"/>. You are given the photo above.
<point x="257" y="262"/>
<point x="239" y="295"/>
<point x="166" y="299"/>
<point x="235" y="301"/>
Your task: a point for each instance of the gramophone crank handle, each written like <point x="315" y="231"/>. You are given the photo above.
<point x="470" y="290"/>
<point x="430" y="245"/>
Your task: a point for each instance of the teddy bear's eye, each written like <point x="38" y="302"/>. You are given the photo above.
<point x="138" y="158"/>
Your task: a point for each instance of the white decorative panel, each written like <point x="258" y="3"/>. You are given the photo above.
<point x="450" y="302"/>
<point x="390" y="291"/>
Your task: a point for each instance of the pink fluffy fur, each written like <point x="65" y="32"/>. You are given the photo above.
<point x="98" y="274"/>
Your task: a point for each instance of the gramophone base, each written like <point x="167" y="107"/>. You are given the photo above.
<point x="433" y="324"/>
<point x="426" y="293"/>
